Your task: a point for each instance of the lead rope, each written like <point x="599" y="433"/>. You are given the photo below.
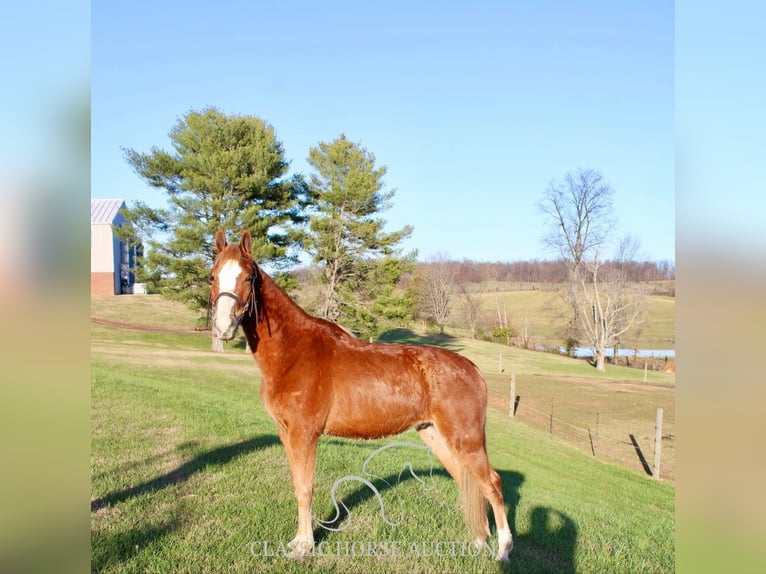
<point x="209" y="308"/>
<point x="253" y="303"/>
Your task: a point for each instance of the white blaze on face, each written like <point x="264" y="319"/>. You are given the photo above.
<point x="227" y="282"/>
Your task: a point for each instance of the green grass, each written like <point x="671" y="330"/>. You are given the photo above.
<point x="187" y="472"/>
<point x="614" y="405"/>
<point x="144" y="310"/>
<point x="539" y="304"/>
<point x="521" y="361"/>
<point x="545" y="311"/>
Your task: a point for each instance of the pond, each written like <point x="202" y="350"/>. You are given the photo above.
<point x="583" y="352"/>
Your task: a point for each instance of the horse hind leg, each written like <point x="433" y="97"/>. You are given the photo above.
<point x="504" y="536"/>
<point x="435" y="441"/>
<point x="474" y="509"/>
<point x="479" y="483"/>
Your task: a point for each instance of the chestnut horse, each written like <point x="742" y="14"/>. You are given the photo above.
<point x="318" y="379"/>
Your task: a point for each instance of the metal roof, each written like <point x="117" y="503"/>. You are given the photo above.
<point x="105" y="210"/>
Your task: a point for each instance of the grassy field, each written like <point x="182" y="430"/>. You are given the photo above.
<point x="545" y="313"/>
<point x="187" y="471"/>
<point x="542" y="309"/>
<point x="613" y="405"/>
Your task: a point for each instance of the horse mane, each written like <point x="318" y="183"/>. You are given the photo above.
<point x="278" y="296"/>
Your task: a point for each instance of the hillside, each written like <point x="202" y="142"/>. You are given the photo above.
<point x="541" y="308"/>
<point x="615" y="404"/>
<point x="186" y="467"/>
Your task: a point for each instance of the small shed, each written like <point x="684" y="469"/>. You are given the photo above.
<point x="111" y="261"/>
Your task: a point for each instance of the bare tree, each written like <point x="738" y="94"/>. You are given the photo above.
<point x="580" y="212"/>
<point x="470" y="306"/>
<point x="580" y="224"/>
<point x="503" y="330"/>
<point x="608" y="306"/>
<point x="627" y="251"/>
<point x="524" y="338"/>
<point x="437" y="285"/>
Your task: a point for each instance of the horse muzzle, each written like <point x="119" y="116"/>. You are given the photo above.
<point x="225" y="319"/>
<point x="226" y="334"/>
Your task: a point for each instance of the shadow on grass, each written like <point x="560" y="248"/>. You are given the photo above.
<point x="216" y="456"/>
<point x="109" y="548"/>
<point x="341" y="517"/>
<point x="113" y="548"/>
<point x="512" y="482"/>
<point x="547" y="546"/>
<point x="408" y="337"/>
<point x="640" y="455"/>
<point x="550" y="542"/>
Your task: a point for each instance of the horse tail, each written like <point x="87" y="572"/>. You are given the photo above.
<point x="474" y="506"/>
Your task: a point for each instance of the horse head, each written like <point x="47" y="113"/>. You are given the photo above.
<point x="232" y="291"/>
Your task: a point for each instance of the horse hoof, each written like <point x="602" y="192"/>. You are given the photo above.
<point x="299" y="550"/>
<point x="296" y="555"/>
<point x="502" y="553"/>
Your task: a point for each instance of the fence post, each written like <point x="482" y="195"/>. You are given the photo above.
<point x="512" y="411"/>
<point x="657" y="445"/>
<point x="550" y="426"/>
<point x="593" y="442"/>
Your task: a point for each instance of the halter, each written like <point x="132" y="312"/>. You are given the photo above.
<point x="250" y="302"/>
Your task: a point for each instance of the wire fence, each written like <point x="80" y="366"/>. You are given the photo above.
<point x="593" y="439"/>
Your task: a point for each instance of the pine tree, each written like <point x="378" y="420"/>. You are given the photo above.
<point x="224" y="171"/>
<point x="359" y="260"/>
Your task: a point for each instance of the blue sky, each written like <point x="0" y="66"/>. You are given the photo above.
<point x="474" y="107"/>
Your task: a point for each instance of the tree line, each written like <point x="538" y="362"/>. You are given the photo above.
<point x="551" y="271"/>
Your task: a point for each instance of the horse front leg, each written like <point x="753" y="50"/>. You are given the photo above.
<point x="301" y="448"/>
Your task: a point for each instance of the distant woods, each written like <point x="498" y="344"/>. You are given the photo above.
<point x="535" y="271"/>
<point x="471" y="298"/>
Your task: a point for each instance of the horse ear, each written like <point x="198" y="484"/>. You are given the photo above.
<point x="220" y="239"/>
<point x="246" y="243"/>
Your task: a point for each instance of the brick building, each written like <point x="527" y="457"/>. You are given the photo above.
<point x="111" y="260"/>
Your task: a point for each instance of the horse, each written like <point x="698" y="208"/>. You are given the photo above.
<point x="318" y="379"/>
